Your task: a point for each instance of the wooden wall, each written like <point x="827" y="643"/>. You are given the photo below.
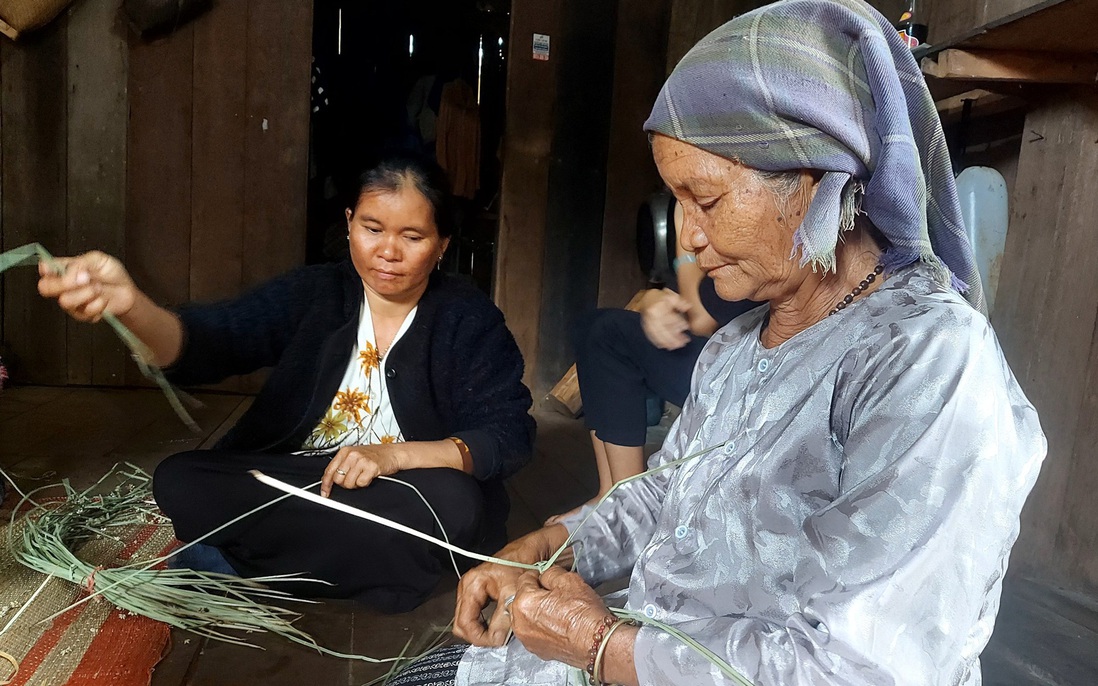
<point x="185" y="156"/>
<point x="1046" y="318"/>
<point x="691" y="20"/>
<point x="577" y="183"/>
<point x="575" y="169"/>
<point x="640" y="56"/>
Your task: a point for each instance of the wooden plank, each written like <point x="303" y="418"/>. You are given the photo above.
<point x="681" y="35"/>
<point x="22" y="399"/>
<point x="984" y="104"/>
<point x="1077" y="535"/>
<point x="97" y="113"/>
<point x="1050" y="241"/>
<point x="531" y="96"/>
<point x="277" y="136"/>
<point x="158" y="189"/>
<point x="1011" y="66"/>
<point x="217" y="153"/>
<point x="32" y="107"/>
<point x="1035" y="644"/>
<point x="8" y="30"/>
<point x="641" y="54"/>
<point x="3" y="345"/>
<point x="1048" y="25"/>
<point x="576" y="192"/>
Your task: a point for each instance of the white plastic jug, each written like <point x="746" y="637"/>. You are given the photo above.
<point x="986" y="212"/>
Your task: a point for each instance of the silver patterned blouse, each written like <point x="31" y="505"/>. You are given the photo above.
<point x="856" y="526"/>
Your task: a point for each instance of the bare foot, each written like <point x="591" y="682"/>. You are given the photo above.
<point x="555" y="519"/>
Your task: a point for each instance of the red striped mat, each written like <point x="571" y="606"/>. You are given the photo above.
<point x="93" y="643"/>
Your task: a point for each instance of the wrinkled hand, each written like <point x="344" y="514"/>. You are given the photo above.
<point x="557" y="615"/>
<point x="92" y="284"/>
<point x="358" y="466"/>
<point x="490" y="582"/>
<point x="664" y="319"/>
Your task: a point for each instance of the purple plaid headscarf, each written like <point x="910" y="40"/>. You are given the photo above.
<point x="828" y="85"/>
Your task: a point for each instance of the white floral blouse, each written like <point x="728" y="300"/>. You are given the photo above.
<point x="361" y="412"/>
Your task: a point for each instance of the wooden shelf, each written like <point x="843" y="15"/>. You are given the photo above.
<point x="1052" y="42"/>
<point x="983" y="104"/>
<point x="1060" y="26"/>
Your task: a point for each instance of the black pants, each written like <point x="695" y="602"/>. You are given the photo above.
<point x="390" y="570"/>
<point x="618" y="367"/>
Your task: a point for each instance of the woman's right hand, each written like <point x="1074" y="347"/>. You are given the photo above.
<point x="665" y="320"/>
<point x="91" y="285"/>
<point x="493" y="582"/>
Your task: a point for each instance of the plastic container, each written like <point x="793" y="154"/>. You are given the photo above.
<point x="985" y="209"/>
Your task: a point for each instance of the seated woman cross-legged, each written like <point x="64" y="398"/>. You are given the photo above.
<point x="381" y="366"/>
<point x="861" y="449"/>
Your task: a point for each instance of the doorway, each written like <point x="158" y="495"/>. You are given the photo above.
<point x="383" y="72"/>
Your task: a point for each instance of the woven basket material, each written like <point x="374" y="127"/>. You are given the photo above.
<point x="94" y="643"/>
<point x="27" y="15"/>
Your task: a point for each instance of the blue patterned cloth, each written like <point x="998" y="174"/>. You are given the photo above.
<point x="828" y="85"/>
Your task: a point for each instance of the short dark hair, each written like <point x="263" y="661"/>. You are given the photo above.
<point x="392" y="171"/>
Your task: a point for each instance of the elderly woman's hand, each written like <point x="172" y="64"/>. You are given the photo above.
<point x="358" y="466"/>
<point x="664" y="319"/>
<point x="493" y="582"/>
<point x="557" y="615"/>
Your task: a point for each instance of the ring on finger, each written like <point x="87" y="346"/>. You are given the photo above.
<point x="507" y="604"/>
<point x="341" y="472"/>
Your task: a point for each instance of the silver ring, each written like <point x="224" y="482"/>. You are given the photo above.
<point x="341" y="472"/>
<point x="507" y="603"/>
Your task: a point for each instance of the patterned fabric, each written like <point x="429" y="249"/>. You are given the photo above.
<point x="856" y="526"/>
<point x="361" y="412"/>
<point x="436" y="669"/>
<point x="828" y="85"/>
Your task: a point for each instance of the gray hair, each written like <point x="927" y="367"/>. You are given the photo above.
<point x="786" y="184"/>
<point x="783" y="184"/>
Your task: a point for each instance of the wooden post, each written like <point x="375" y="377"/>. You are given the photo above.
<point x="1046" y="312"/>
<point x="531" y="99"/>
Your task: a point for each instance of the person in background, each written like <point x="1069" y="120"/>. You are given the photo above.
<point x="624" y="357"/>
<point x="381" y="366"/>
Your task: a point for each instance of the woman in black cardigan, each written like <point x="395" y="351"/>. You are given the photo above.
<point x="380" y="366"/>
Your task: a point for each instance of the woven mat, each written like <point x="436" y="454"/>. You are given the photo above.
<point x="94" y="643"/>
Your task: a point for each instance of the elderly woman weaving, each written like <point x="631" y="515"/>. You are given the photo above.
<point x="855" y="524"/>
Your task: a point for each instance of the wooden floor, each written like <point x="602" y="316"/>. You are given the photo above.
<point x="1045" y="636"/>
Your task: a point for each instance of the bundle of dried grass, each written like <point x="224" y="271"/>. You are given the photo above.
<point x="222" y="607"/>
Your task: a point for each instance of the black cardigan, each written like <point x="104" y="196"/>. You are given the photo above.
<point x="456" y="371"/>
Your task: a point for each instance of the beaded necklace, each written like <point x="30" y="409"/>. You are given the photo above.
<point x="858" y="290"/>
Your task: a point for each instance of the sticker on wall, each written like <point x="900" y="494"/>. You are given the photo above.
<point x="541" y="47"/>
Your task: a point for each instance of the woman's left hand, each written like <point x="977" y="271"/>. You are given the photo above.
<point x="557" y="615"/>
<point x="358" y="466"/>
